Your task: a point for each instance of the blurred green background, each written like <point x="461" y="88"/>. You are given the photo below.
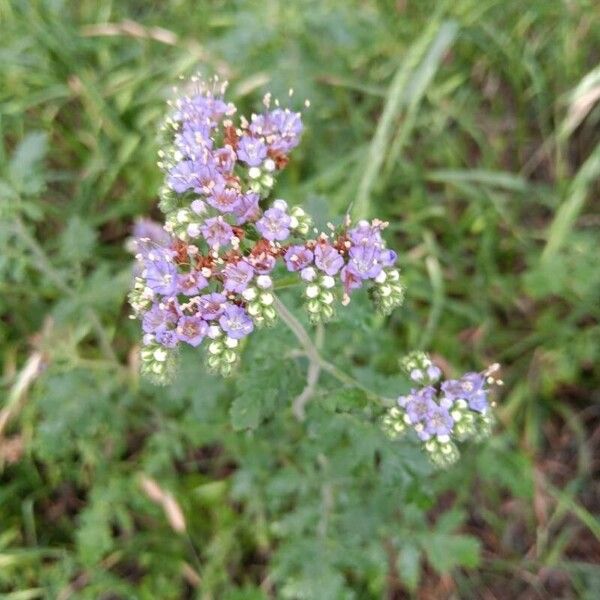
<point x="472" y="126"/>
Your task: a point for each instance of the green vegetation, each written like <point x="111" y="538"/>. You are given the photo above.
<point x="472" y="126"/>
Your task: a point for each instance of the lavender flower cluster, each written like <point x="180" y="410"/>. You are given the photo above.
<point x="207" y="275"/>
<point x="442" y="413"/>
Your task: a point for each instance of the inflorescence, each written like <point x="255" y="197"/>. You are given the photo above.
<point x="442" y="413"/>
<point x="207" y="277"/>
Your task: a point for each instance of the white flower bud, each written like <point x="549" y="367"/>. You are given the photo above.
<point x="231" y="342"/>
<point x="182" y="215"/>
<point x="215" y="348"/>
<point x="326" y="297"/>
<point x="193" y="230"/>
<point x="269" y="165"/>
<point x="314" y="306"/>
<point x="267" y="181"/>
<point x="385" y="290"/>
<point x="249" y="294"/>
<point x="294" y="222"/>
<point x="254" y="309"/>
<point x="312" y="291"/>
<point x="254" y="172"/>
<point x="381" y="277"/>
<point x="280" y="204"/>
<point x="160" y="355"/>
<point x="264" y="282"/>
<point x="266" y="299"/>
<point x="308" y="274"/>
<point x="214" y="331"/>
<point x="327" y="281"/>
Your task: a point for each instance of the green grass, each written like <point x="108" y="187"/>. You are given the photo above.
<point x="471" y="125"/>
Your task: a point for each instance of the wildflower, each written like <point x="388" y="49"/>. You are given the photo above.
<point x="224" y="199"/>
<point x="211" y="306"/>
<point x="328" y="259"/>
<point x="236" y="322"/>
<point x="161" y="276"/>
<point x="192" y="330"/>
<point x="441" y="414"/>
<point x="191" y="283"/>
<point x="274" y="225"/>
<point x="251" y="150"/>
<point x="216" y="232"/>
<point x="298" y="258"/>
<point x="237" y="276"/>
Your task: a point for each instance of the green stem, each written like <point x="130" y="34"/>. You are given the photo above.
<point x="315" y="357"/>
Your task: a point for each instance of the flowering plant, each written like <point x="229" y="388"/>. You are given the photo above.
<point x="208" y="276"/>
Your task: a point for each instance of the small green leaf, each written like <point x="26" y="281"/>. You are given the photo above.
<point x="245" y="412"/>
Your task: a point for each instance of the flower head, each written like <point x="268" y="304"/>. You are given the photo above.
<point x="216" y="232"/>
<point x="274" y="225"/>
<point x="191" y="329"/>
<point x="236" y="322"/>
<point x="328" y="259"/>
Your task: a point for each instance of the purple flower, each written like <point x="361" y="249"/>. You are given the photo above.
<point x="420" y="405"/>
<point x="478" y="401"/>
<point x="470" y="387"/>
<point x="191" y="330"/>
<point x="225" y="159"/>
<point x="365" y="234"/>
<point x="216" y="232"/>
<point x="150" y="231"/>
<point x="236" y="322"/>
<point x="251" y="150"/>
<point x="387" y="258"/>
<point x="167" y="337"/>
<point x="439" y="422"/>
<point x="350" y="279"/>
<point x="463" y="388"/>
<point x="211" y="306"/>
<point x="161" y="276"/>
<point x="194" y="143"/>
<point x="191" y="283"/>
<point x="298" y="257"/>
<point x="182" y="176"/>
<point x="224" y="199"/>
<point x="274" y="225"/>
<point x="328" y="259"/>
<point x="284" y="129"/>
<point x="263" y="263"/>
<point x="201" y="109"/>
<point x="434" y="372"/>
<point x="363" y="262"/>
<point x="158" y="319"/>
<point x="247" y="208"/>
<point x="237" y="276"/>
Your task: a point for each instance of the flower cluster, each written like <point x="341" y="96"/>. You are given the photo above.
<point x="442" y="413"/>
<point x="207" y="275"/>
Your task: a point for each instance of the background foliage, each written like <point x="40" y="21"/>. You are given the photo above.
<point x="472" y="125"/>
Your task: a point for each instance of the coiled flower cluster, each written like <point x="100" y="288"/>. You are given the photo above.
<point x="207" y="277"/>
<point x="442" y="413"/>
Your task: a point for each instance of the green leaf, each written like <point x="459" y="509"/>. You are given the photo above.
<point x="245" y="412"/>
<point x="409" y="566"/>
<point x="446" y="552"/>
